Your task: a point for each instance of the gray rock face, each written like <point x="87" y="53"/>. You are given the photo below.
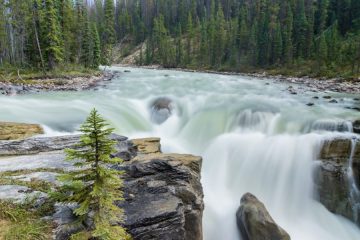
<point x="163" y="193"/>
<point x="167" y="188"/>
<point x="20" y="194"/>
<point x="255" y="222"/>
<point x="356" y="126"/>
<point x="335" y="179"/>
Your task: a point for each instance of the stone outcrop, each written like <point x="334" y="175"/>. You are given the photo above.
<point x="163" y="193"/>
<point x="15" y="131"/>
<point x="356" y="126"/>
<point x="335" y="179"/>
<point x="255" y="222"/>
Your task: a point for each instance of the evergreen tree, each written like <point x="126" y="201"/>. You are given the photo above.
<point x="287" y="35"/>
<point x="96" y="48"/>
<point x="87" y="48"/>
<point x="53" y="40"/>
<point x="300" y="29"/>
<point x="321" y="16"/>
<point x="322" y="52"/>
<point x="95" y="186"/>
<point x="219" y="41"/>
<point x="190" y="36"/>
<point x="109" y="22"/>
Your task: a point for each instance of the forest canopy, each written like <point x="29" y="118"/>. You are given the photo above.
<point x="320" y="37"/>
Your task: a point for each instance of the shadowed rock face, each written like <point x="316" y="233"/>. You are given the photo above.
<point x="356" y="126"/>
<point x="15" y="131"/>
<point x="161" y="109"/>
<point x="255" y="222"/>
<point x="332" y="179"/>
<point x="163" y="193"/>
<point x="164" y="197"/>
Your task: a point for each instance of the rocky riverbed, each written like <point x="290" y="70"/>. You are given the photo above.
<point x="55" y="84"/>
<point x="312" y="84"/>
<point x="163" y="193"/>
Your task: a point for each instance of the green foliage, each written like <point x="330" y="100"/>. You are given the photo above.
<point x="52" y="35"/>
<point x="213" y="34"/>
<point x="21" y="221"/>
<point x="95" y="186"/>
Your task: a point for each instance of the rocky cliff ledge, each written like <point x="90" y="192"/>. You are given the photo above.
<point x="338" y="177"/>
<point x="164" y="197"/>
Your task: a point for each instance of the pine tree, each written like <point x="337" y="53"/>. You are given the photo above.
<point x="189" y="38"/>
<point x="54" y="45"/>
<point x="68" y="28"/>
<point x="109" y="22"/>
<point x="321" y="16"/>
<point x="87" y="46"/>
<point x="95" y="186"/>
<point x="300" y="29"/>
<point x="219" y="41"/>
<point x="322" y="52"/>
<point x="287" y="36"/>
<point x="96" y="47"/>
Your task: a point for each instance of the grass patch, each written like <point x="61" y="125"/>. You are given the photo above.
<point x="21" y="222"/>
<point x="61" y="74"/>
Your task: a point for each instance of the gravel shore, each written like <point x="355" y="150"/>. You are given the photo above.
<point x="55" y="84"/>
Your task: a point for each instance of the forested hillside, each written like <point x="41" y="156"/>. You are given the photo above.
<point x="316" y="37"/>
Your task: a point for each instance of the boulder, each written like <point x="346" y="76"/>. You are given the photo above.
<point x="356" y="126"/>
<point x="163" y="193"/>
<point x="335" y="181"/>
<point x="255" y="222"/>
<point x="161" y="109"/>
<point x="16" y="131"/>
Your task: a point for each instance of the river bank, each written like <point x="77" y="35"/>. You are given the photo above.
<point x="55" y="83"/>
<point x="314" y="84"/>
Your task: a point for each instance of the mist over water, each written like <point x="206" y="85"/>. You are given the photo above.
<point x="254" y="137"/>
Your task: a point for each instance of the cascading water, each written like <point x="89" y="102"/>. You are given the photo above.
<point x="254" y="137"/>
<point x="353" y="188"/>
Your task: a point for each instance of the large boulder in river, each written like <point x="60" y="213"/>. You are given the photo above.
<point x="15" y="131"/>
<point x="161" y="109"/>
<point x="337" y="177"/>
<point x="163" y="193"/>
<point x="255" y="222"/>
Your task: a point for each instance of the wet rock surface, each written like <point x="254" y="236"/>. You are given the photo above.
<point x="163" y="193"/>
<point x="356" y="126"/>
<point x="335" y="179"/>
<point x="255" y="223"/>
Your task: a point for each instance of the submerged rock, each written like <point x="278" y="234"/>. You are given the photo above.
<point x="255" y="222"/>
<point x="161" y="109"/>
<point x="336" y="181"/>
<point x="16" y="131"/>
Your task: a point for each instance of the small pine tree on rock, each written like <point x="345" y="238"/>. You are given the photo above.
<point x="95" y="186"/>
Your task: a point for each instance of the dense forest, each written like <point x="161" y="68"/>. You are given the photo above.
<point x="316" y="37"/>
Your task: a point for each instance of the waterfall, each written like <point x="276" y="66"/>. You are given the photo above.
<point x="253" y="135"/>
<point x="353" y="187"/>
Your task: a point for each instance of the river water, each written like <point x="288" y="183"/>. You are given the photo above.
<point x="253" y="134"/>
